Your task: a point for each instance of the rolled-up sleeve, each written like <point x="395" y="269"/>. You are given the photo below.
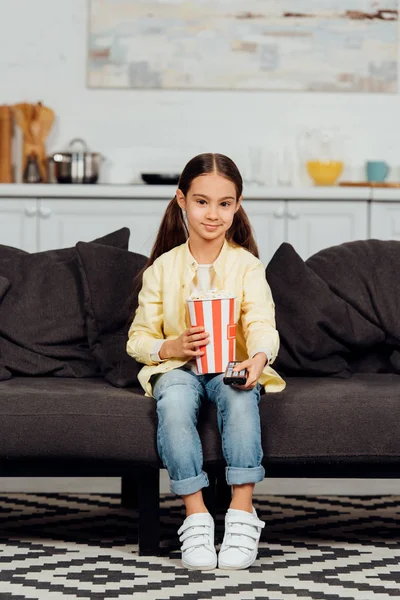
<point x="147" y="326"/>
<point x="258" y="314"/>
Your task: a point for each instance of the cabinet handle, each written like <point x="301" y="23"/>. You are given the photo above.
<point x="279" y="214"/>
<point x="293" y="215"/>
<point x="30" y="211"/>
<point x="45" y="213"/>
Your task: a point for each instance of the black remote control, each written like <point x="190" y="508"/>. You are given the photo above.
<point x="238" y="378"/>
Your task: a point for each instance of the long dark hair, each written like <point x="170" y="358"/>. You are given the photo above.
<point x="173" y="230"/>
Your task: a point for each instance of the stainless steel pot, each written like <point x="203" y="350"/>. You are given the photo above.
<point x="77" y="165"/>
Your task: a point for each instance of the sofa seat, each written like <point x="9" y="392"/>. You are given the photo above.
<point x="340" y="420"/>
<point x="54" y="417"/>
<point x="315" y="419"/>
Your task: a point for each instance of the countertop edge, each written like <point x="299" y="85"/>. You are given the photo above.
<point x="167" y="192"/>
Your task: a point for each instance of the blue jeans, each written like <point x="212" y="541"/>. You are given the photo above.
<point x="179" y="394"/>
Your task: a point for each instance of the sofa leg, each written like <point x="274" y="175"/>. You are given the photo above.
<point x="129" y="492"/>
<point x="149" y="512"/>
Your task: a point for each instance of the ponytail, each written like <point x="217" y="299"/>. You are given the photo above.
<point x="171" y="233"/>
<point x="241" y="232"/>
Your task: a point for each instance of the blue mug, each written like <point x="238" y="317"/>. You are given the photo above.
<point x="377" y="170"/>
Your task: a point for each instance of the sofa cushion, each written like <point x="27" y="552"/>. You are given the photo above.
<point x="42" y="322"/>
<point x="315" y="419"/>
<point x="319" y="330"/>
<point x="108" y="275"/>
<point x="69" y="418"/>
<point x="330" y="418"/>
<point x="322" y="420"/>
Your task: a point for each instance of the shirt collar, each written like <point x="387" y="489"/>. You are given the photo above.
<point x="192" y="263"/>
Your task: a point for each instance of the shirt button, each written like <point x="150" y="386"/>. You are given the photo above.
<point x="183" y="286"/>
<point x="193" y="264"/>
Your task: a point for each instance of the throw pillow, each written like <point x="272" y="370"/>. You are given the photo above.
<point x="10" y="251"/>
<point x="364" y="274"/>
<point x="42" y="322"/>
<point x="318" y="329"/>
<point x="4" y="287"/>
<point x="108" y="275"/>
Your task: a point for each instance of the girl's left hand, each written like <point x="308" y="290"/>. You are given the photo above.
<point x="254" y="368"/>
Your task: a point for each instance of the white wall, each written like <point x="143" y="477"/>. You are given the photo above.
<point x="43" y="57"/>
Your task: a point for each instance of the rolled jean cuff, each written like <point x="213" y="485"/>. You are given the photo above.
<point x="183" y="487"/>
<point x="240" y="475"/>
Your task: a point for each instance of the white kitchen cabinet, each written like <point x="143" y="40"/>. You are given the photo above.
<point x="64" y="222"/>
<point x="314" y="225"/>
<point x="308" y="225"/>
<point x="268" y="222"/>
<point x="18" y="223"/>
<point x="35" y="224"/>
<point x="385" y="220"/>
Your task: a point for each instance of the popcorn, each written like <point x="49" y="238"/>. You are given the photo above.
<point x="215" y="311"/>
<point x="213" y="294"/>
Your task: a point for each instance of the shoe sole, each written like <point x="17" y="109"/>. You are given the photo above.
<point x="245" y="565"/>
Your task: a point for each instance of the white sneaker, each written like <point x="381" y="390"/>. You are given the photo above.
<point x="240" y="544"/>
<point x="197" y="535"/>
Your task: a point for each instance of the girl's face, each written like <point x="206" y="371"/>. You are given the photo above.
<point x="210" y="206"/>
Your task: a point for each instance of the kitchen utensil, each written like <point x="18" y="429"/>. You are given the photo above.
<point x="160" y="178"/>
<point x="35" y="122"/>
<point x="377" y="170"/>
<point x="32" y="171"/>
<point x="324" y="173"/>
<point x="6" y="134"/>
<point x="77" y="165"/>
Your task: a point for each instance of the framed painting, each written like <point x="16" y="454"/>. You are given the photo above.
<point x="294" y="45"/>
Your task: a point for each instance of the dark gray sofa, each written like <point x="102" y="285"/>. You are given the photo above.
<point x="75" y="408"/>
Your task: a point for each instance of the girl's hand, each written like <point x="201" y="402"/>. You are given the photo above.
<point x="187" y="345"/>
<point x="254" y="368"/>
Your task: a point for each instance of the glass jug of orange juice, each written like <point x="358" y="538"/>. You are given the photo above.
<point x="319" y="150"/>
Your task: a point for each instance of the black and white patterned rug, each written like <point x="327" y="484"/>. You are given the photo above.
<point x="78" y="546"/>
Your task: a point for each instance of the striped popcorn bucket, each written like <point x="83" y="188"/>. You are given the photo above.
<point x="217" y="316"/>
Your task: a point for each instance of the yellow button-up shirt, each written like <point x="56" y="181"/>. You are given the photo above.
<point x="162" y="314"/>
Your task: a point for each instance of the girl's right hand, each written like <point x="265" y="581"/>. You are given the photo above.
<point x="187" y="345"/>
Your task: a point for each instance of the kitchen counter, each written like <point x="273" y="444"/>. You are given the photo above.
<point x="386" y="194"/>
<point x="254" y="192"/>
<point x="45" y="216"/>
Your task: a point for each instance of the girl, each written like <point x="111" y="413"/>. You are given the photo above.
<point x="205" y="242"/>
